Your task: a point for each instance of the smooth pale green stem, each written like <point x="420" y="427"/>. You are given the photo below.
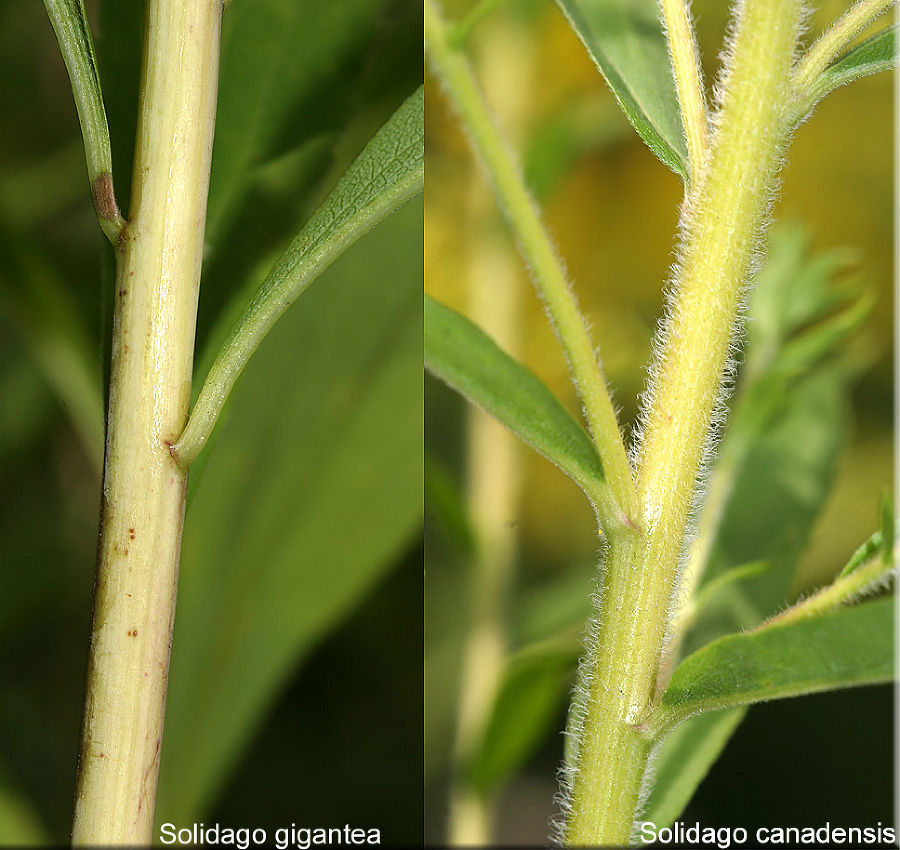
<point x="158" y="275"/>
<point x="722" y="226"/>
<point x="452" y="68"/>
<point x="688" y="81"/>
<point x="836" y="39"/>
<point x="73" y="33"/>
<point x="389" y="171"/>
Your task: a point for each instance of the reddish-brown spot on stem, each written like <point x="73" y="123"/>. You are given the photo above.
<point x="105" y="197"/>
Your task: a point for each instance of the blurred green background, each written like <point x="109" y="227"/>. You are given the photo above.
<point x="612" y="210"/>
<point x="295" y="687"/>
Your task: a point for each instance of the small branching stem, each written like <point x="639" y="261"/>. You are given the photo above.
<point x="157" y="281"/>
<point x="70" y="24"/>
<point x="454" y="71"/>
<point x="721" y="230"/>
<point x="688" y="81"/>
<point x="836" y="39"/>
<point x="493" y="491"/>
<point x="866" y="578"/>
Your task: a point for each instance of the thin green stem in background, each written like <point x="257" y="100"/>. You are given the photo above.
<point x="688" y="81"/>
<point x="74" y="35"/>
<point x="493" y="489"/>
<point x="389" y="171"/>
<point x="454" y="71"/>
<point x="722" y="228"/>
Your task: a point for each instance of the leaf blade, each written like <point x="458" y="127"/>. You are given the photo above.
<point x="531" y="693"/>
<point x="851" y="646"/>
<point x="626" y="41"/>
<point x="683" y="760"/>
<point x="388" y="172"/>
<point x="465" y="358"/>
<point x="872" y="56"/>
<point x="337" y="496"/>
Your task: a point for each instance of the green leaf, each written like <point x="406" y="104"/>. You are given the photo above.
<point x="463" y="356"/>
<point x="389" y="171"/>
<point x="312" y="495"/>
<point x="875" y="54"/>
<point x="73" y="32"/>
<point x="683" y="759"/>
<point x="851" y="646"/>
<point x="626" y="41"/>
<point x="33" y="295"/>
<point x="532" y="693"/>
<point x="589" y="125"/>
<point x="444" y="501"/>
<point x="864" y="553"/>
<point x="282" y="63"/>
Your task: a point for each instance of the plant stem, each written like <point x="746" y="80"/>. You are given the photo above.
<point x="688" y="81"/>
<point x="546" y="267"/>
<point x="836" y="39"/>
<point x="157" y="281"/>
<point x="864" y="579"/>
<point x="73" y="33"/>
<point x="722" y="226"/>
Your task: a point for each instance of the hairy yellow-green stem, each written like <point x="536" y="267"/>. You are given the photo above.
<point x="157" y="280"/>
<point x="688" y="81"/>
<point x="720" y="229"/>
<point x="865" y="579"/>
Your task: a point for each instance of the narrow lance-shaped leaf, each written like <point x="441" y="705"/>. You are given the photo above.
<point x="851" y="646"/>
<point x="530" y="696"/>
<point x="388" y="172"/>
<point x="875" y="54"/>
<point x="626" y="41"/>
<point x="463" y="356"/>
<point x="74" y="35"/>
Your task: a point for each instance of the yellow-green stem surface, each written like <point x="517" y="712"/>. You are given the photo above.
<point x="688" y="82"/>
<point x="157" y="281"/>
<point x="721" y="228"/>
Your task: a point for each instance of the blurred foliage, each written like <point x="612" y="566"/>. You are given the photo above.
<point x="302" y="528"/>
<point x="815" y="434"/>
